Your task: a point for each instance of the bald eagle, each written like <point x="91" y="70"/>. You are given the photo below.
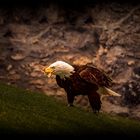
<point x="81" y="80"/>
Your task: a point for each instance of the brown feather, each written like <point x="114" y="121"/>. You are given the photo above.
<point x="86" y="80"/>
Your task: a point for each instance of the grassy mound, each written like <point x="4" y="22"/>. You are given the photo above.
<point x="26" y="112"/>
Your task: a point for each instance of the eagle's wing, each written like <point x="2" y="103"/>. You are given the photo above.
<point x="95" y="76"/>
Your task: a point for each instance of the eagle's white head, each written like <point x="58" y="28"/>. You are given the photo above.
<point x="60" y="68"/>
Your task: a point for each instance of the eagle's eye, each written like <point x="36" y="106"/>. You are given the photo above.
<point x="53" y="67"/>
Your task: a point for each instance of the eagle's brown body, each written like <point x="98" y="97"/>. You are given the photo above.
<point x="86" y="80"/>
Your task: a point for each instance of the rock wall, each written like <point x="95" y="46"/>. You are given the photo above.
<point x="105" y="34"/>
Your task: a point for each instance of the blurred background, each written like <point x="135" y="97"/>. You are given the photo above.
<point x="106" y="33"/>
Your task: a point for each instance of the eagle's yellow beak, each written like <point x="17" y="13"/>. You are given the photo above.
<point x="48" y="71"/>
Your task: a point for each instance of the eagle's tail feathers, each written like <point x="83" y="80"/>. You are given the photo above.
<point x="107" y="91"/>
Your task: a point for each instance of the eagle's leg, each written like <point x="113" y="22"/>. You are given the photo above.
<point x="95" y="102"/>
<point x="70" y="99"/>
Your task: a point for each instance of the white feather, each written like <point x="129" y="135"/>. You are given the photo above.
<point x="62" y="68"/>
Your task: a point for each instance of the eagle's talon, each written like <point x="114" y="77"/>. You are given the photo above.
<point x="70" y="105"/>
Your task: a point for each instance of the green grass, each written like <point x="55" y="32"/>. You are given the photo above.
<point x="26" y="112"/>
